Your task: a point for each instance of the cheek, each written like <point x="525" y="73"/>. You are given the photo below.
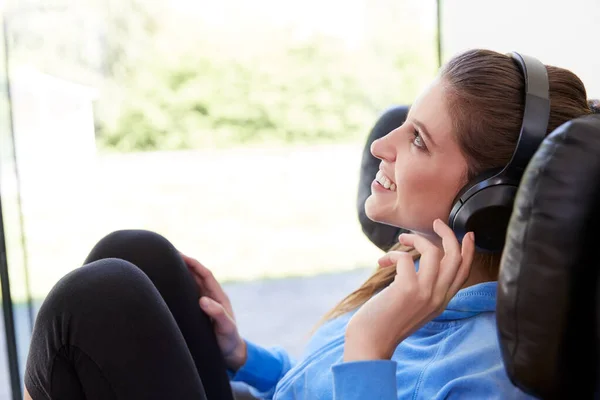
<point x="426" y="190"/>
<point x="414" y="177"/>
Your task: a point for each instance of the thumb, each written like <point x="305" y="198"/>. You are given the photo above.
<point x="224" y="324"/>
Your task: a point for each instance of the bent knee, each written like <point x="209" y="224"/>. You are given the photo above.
<point x="132" y="244"/>
<point x="135" y="237"/>
<point x="105" y="281"/>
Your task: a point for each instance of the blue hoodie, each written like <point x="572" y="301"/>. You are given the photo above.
<point x="455" y="356"/>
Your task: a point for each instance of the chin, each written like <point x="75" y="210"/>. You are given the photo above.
<point x="392" y="219"/>
<point x="376" y="214"/>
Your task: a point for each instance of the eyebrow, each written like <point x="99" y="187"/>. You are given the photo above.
<point x="423" y="131"/>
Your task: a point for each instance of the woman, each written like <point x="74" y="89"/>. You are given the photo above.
<point x="132" y="324"/>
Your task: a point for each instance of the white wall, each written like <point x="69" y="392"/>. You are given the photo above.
<point x="558" y="32"/>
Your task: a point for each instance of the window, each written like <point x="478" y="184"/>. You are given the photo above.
<point x="233" y="128"/>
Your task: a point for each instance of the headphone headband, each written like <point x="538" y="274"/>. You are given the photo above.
<point x="535" y="116"/>
<point x="485" y="204"/>
<point x="533" y="128"/>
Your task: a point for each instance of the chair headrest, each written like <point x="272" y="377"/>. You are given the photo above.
<point x="547" y="308"/>
<point x="381" y="235"/>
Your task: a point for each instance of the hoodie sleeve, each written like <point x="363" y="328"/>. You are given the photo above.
<point x="372" y="379"/>
<point x="376" y="379"/>
<point x="493" y="384"/>
<point x="263" y="369"/>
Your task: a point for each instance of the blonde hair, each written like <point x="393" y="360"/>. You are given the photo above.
<point x="382" y="277"/>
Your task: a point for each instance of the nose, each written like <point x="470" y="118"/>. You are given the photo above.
<point x="383" y="149"/>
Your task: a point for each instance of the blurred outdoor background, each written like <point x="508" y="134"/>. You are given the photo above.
<point x="232" y="127"/>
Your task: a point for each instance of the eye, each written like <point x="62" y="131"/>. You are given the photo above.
<point x="418" y="140"/>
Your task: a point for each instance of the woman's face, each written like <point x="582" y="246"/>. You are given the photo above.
<point x="421" y="170"/>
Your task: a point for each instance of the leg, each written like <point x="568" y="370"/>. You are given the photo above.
<point x="104" y="332"/>
<point x="161" y="262"/>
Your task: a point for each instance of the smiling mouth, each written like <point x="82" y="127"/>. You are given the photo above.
<point x="385" y="181"/>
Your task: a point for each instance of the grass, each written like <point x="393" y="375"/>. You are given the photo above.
<point x="246" y="213"/>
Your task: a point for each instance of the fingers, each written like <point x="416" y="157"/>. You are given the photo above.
<point x="405" y="268"/>
<point x="429" y="264"/>
<point x="452" y="260"/>
<point x="468" y="248"/>
<point x="404" y="263"/>
<point x="468" y="252"/>
<point x="201" y="274"/>
<point x="195" y="266"/>
<point x="418" y="242"/>
<point x="442" y="271"/>
<point x="223" y="322"/>
<point x="389" y="259"/>
<point x="205" y="279"/>
<point x="449" y="242"/>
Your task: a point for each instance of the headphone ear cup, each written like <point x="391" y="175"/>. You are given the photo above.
<point x="487" y="214"/>
<point x="481" y="178"/>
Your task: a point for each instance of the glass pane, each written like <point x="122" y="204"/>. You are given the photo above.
<point x="12" y="232"/>
<point x="5" y="393"/>
<point x="54" y="64"/>
<point x="234" y="128"/>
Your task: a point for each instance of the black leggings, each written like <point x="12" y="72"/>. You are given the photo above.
<point x="126" y="325"/>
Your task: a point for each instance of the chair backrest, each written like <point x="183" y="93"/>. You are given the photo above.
<point x="548" y="288"/>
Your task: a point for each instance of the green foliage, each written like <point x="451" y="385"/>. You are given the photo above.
<point x="173" y="80"/>
<point x="309" y="94"/>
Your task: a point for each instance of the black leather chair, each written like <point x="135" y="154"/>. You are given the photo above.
<point x="548" y="305"/>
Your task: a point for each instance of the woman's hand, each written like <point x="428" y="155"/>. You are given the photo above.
<point x="216" y="304"/>
<point x="413" y="298"/>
